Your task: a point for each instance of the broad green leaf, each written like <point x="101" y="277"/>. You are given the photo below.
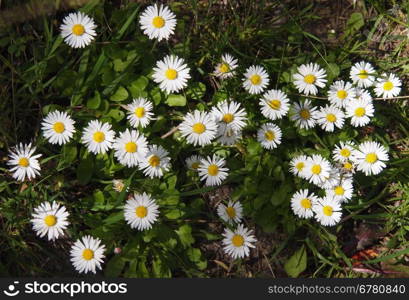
<point x="115" y="266"/>
<point x="185" y="234"/>
<point x="176" y="100"/>
<point x="116" y="114"/>
<point x="297" y="263"/>
<point x="120" y="95"/>
<point x="196" y="90"/>
<point x="138" y="86"/>
<point x="69" y="153"/>
<point x="94" y="102"/>
<point x="85" y="170"/>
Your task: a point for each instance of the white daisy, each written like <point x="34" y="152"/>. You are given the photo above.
<point x="141" y="211"/>
<point x="344" y="151"/>
<point x="317" y="169"/>
<point x="226" y="68"/>
<point x="140" y="112"/>
<point x="328" y="211"/>
<point x="158" y="22"/>
<point x="269" y="135"/>
<point x="330" y="117"/>
<point x="58" y="127"/>
<point x="193" y="162"/>
<point x="50" y="220"/>
<point x="371" y="158"/>
<point x="341" y="192"/>
<point x="297" y="165"/>
<point x="130" y="147"/>
<point x="332" y="180"/>
<point x="24" y="163"/>
<point x="274" y="104"/>
<point x="302" y="202"/>
<point x="255" y="79"/>
<point x="229" y="116"/>
<point x="231" y="213"/>
<point x="87" y="254"/>
<point x="118" y="185"/>
<point x="237" y="243"/>
<point x="360" y="111"/>
<point x="388" y="86"/>
<point x="361" y="93"/>
<point x="308" y="77"/>
<point x="303" y="114"/>
<point x="156" y="161"/>
<point x="362" y="74"/>
<point x="213" y="170"/>
<point x="98" y="137"/>
<point x="78" y="30"/>
<point x="199" y="128"/>
<point x="340" y="93"/>
<point x="228" y="137"/>
<point x="171" y="73"/>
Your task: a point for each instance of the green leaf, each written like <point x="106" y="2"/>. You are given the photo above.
<point x="297" y="263"/>
<point x="196" y="90"/>
<point x="69" y="153"/>
<point x="355" y="22"/>
<point x="94" y="102"/>
<point x="115" y="266"/>
<point x="114" y="218"/>
<point x="185" y="234"/>
<point x="138" y="86"/>
<point x="176" y="100"/>
<point x="116" y="114"/>
<point x="84" y="170"/>
<point x="120" y="94"/>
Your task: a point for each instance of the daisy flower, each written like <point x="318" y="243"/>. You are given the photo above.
<point x="231" y="213"/>
<point x="118" y="185"/>
<point x="332" y="180"/>
<point x="228" y="137"/>
<point x="23" y="163"/>
<point x="309" y="77"/>
<point x="156" y="161"/>
<point x="199" y="128"/>
<point x="255" y="79"/>
<point x="360" y="111"/>
<point x="140" y="112"/>
<point x="58" y="127"/>
<point x="87" y="254"/>
<point x="274" y="104"/>
<point x="171" y="73"/>
<point x="98" y="137"/>
<point x="344" y="151"/>
<point x="212" y="170"/>
<point x="340" y="93"/>
<point x="371" y="158"/>
<point x="362" y="74"/>
<point x="302" y="202"/>
<point x="50" y="220"/>
<point x="388" y="86"/>
<point x="229" y="116"/>
<point x="269" y="135"/>
<point x="193" y="162"/>
<point x="327" y="211"/>
<point x="330" y="117"/>
<point x="130" y="147"/>
<point x="78" y="30"/>
<point x="141" y="211"/>
<point x="237" y="243"/>
<point x="303" y="114"/>
<point x="158" y="22"/>
<point x="297" y="165"/>
<point x="342" y="192"/>
<point x="226" y="68"/>
<point x="317" y="169"/>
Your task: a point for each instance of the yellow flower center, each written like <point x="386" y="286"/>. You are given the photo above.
<point x="305" y="114"/>
<point x="228" y="118"/>
<point x="59" y="127"/>
<point x="359" y="112"/>
<point x="50" y="220"/>
<point x="331" y="118"/>
<point x="371" y="158"/>
<point x="316" y="169"/>
<point x="310" y="79"/>
<point x="213" y="170"/>
<point x="154" y="161"/>
<point x="195" y="165"/>
<point x="131" y="147"/>
<point x="199" y="128"/>
<point x="255" y="79"/>
<point x="345" y="152"/>
<point x="339" y="191"/>
<point x="237" y="240"/>
<point x="387" y="86"/>
<point x="224" y="68"/>
<point x="327" y="210"/>
<point x="23" y="162"/>
<point x="299" y="166"/>
<point x="269" y="135"/>
<point x="78" y="29"/>
<point x="141" y="212"/>
<point x="341" y="94"/>
<point x="275" y="104"/>
<point x="348" y="166"/>
<point x="306" y="203"/>
<point x="99" y="136"/>
<point x="171" y="74"/>
<point x="363" y="74"/>
<point x="231" y="212"/>
<point x="88" y="254"/>
<point x="139" y="112"/>
<point x="158" y="22"/>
